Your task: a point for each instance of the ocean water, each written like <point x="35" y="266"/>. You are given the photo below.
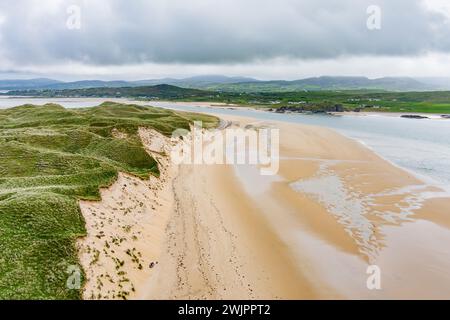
<point x="9" y="102"/>
<point x="421" y="146"/>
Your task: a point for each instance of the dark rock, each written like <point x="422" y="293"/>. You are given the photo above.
<point x="339" y="108"/>
<point x="308" y="108"/>
<point x="413" y="116"/>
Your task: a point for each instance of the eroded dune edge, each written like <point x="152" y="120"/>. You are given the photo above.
<point x="126" y="228"/>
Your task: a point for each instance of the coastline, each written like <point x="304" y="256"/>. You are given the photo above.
<point x="431" y="116"/>
<point x="296" y="239"/>
<point x="374" y="202"/>
<point x="220" y="105"/>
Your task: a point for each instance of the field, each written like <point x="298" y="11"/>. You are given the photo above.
<point x="51" y="158"/>
<point x="405" y="102"/>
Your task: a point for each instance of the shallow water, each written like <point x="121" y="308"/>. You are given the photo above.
<point x="9" y="102"/>
<point x="421" y="146"/>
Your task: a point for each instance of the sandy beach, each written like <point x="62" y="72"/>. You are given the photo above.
<point x="310" y="232"/>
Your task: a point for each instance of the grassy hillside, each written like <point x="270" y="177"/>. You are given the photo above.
<point x="51" y="157"/>
<point x="363" y="100"/>
<point x="324" y="83"/>
<point x="162" y="91"/>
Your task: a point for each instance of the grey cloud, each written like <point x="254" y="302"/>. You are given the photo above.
<point x="118" y="32"/>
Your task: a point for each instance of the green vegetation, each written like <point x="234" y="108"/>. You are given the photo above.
<point x="162" y="91"/>
<point x="358" y="100"/>
<point x="325" y="83"/>
<point x="51" y="158"/>
<point x="316" y="101"/>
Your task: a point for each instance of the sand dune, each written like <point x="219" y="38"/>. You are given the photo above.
<point x="126" y="230"/>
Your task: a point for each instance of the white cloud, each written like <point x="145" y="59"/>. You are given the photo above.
<point x="279" y="68"/>
<point x="269" y="38"/>
<point x="438" y="6"/>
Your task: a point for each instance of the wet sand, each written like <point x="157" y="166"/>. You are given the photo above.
<point x="335" y="207"/>
<point x="340" y="208"/>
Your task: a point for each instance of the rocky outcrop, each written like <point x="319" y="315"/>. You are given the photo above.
<point x="413" y="116"/>
<point x="308" y="108"/>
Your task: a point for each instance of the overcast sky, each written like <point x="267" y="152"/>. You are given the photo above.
<point x="266" y="39"/>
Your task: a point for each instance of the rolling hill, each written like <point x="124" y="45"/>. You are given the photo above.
<point x="49" y="84"/>
<point x="327" y="83"/>
<point x="27" y="84"/>
<point x="162" y="91"/>
<point x="243" y="84"/>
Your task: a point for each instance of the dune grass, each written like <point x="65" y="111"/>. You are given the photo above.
<point x="50" y="158"/>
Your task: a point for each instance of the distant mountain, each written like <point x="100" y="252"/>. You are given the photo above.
<point x="439" y="83"/>
<point x="27" y="84"/>
<point x="203" y="81"/>
<point x="86" y="84"/>
<point x="192" y="82"/>
<point x="243" y="84"/>
<point x="198" y="82"/>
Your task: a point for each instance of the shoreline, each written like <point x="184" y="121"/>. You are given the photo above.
<point x="383" y="194"/>
<point x="223" y="105"/>
<point x="218" y="238"/>
<point x="431" y="116"/>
